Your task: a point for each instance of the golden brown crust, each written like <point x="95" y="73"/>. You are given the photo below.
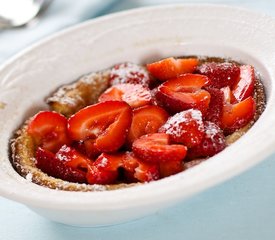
<point x="69" y="99"/>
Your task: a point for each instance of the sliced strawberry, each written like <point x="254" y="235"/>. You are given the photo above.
<point x="49" y="130"/>
<point x="55" y="167"/>
<point x="245" y="86"/>
<point x="105" y="169"/>
<point x="156" y="148"/>
<point x="139" y="170"/>
<point x="184" y="93"/>
<point x="185" y="127"/>
<point x="172" y="68"/>
<point x="73" y="158"/>
<point x="220" y="74"/>
<point x="130" y="73"/>
<point x="236" y="116"/>
<point x="107" y="123"/>
<point x="212" y="143"/>
<point x="170" y="168"/>
<point x="147" y="119"/>
<point x="214" y="112"/>
<point x="87" y="148"/>
<point x="228" y="96"/>
<point x="134" y="94"/>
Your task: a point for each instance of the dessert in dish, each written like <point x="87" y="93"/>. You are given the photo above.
<point x="132" y="124"/>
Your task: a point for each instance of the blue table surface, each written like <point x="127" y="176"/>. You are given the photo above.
<point x="241" y="208"/>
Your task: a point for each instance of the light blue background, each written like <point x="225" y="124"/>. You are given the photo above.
<point x="242" y="208"/>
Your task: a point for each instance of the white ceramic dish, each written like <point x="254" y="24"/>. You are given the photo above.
<point x="140" y="35"/>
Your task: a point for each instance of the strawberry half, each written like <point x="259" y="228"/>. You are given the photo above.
<point x="214" y="112"/>
<point x="147" y="119"/>
<point x="245" y="86"/>
<point x="172" y="68"/>
<point x="184" y="93"/>
<point x="185" y="127"/>
<point x="105" y="169"/>
<point x="56" y="167"/>
<point x="156" y="148"/>
<point x="73" y="158"/>
<point x="167" y="169"/>
<point x="130" y="73"/>
<point x="220" y="74"/>
<point x="106" y="123"/>
<point x="228" y="96"/>
<point x="139" y="170"/>
<point x="236" y="116"/>
<point x="49" y="130"/>
<point x="212" y="143"/>
<point x="134" y="94"/>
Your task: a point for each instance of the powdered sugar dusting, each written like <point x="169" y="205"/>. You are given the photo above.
<point x="174" y="124"/>
<point x="129" y="73"/>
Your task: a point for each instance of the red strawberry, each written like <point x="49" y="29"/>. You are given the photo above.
<point x="184" y="93"/>
<point x="130" y="73"/>
<point x="245" y="86"/>
<point x="139" y="170"/>
<point x="49" y="130"/>
<point x="147" y="119"/>
<point x="212" y="143"/>
<point x="156" y="148"/>
<point x="220" y="74"/>
<point x="228" y="96"/>
<point x="236" y="116"/>
<point x="55" y="167"/>
<point x="170" y="168"/>
<point x="87" y="148"/>
<point x="172" y="68"/>
<point x="73" y="158"/>
<point x="134" y="94"/>
<point x="185" y="127"/>
<point x="214" y="112"/>
<point x="107" y="123"/>
<point x="105" y="169"/>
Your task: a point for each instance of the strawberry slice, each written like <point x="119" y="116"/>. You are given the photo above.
<point x="184" y="93"/>
<point x="49" y="130"/>
<point x="156" y="148"/>
<point x="134" y="94"/>
<point x="106" y="123"/>
<point x="172" y="68"/>
<point x="147" y="119"/>
<point x="105" y="169"/>
<point x="220" y="74"/>
<point x="245" y="86"/>
<point x="130" y="73"/>
<point x="212" y="143"/>
<point x="214" y="112"/>
<point x="87" y="148"/>
<point x="72" y="158"/>
<point x="138" y="170"/>
<point x="236" y="116"/>
<point x="167" y="169"/>
<point x="185" y="127"/>
<point x="56" y="167"/>
<point x="228" y="96"/>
